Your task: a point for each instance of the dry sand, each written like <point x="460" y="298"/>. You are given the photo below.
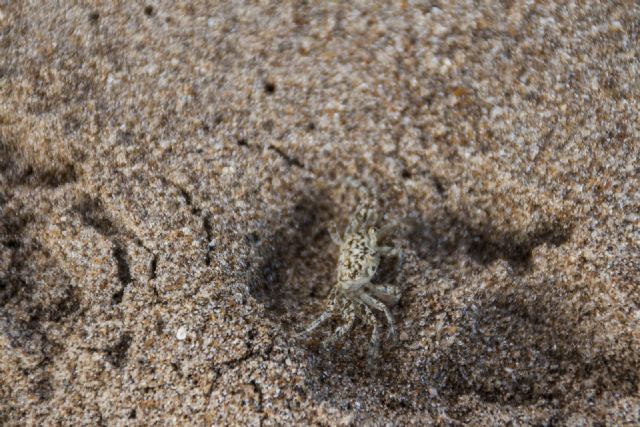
<point x="168" y="171"/>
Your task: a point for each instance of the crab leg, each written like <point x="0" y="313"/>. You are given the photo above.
<point x="333" y="232"/>
<point x="341" y="331"/>
<point x="374" y="342"/>
<point x="378" y="305"/>
<point x="357" y="220"/>
<point x="387" y="229"/>
<point x="370" y="218"/>
<point x="386" y="292"/>
<point x="324" y="316"/>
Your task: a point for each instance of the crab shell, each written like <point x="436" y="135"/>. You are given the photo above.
<point x="359" y="260"/>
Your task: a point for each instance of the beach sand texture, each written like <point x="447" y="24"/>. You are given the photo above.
<point x="168" y="171"/>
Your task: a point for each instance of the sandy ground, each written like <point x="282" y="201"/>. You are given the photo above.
<point x="168" y="171"/>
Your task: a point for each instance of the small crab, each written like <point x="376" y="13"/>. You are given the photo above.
<point x="354" y="296"/>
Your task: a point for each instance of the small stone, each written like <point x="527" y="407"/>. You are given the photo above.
<point x="182" y="333"/>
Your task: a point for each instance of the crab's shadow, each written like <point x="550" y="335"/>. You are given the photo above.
<point x="548" y="349"/>
<point x="293" y="270"/>
<point x="442" y="234"/>
<point x="517" y="342"/>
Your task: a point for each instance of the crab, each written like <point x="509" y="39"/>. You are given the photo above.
<point x="354" y="296"/>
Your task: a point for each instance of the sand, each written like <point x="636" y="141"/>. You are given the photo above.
<point x="168" y="171"/>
